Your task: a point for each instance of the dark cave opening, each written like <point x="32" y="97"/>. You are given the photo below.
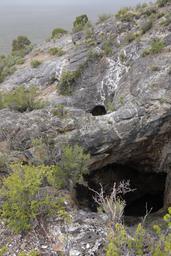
<point x="98" y="110"/>
<point x="147" y="196"/>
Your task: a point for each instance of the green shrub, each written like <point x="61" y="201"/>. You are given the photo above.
<point x="35" y="63"/>
<point x="24" y="192"/>
<point x="58" y="33"/>
<point x="56" y="51"/>
<point x="59" y="111"/>
<point x="7" y="65"/>
<point x="156" y="242"/>
<point x="74" y="164"/>
<point x="123" y="57"/>
<point x="23" y="200"/>
<point x="156" y="47"/>
<point x="3" y="250"/>
<point x="107" y="47"/>
<point x="110" y="106"/>
<point x="131" y="36"/>
<point x="162" y="3"/>
<point x="149" y="11"/>
<point x="20" y="43"/>
<point x="80" y="23"/>
<point x="67" y="81"/>
<point x="126" y="14"/>
<point x="21" y="99"/>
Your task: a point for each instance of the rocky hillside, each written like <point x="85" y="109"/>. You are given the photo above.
<point x="106" y="88"/>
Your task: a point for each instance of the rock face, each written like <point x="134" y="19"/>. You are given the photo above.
<point x="85" y="236"/>
<point x="120" y="107"/>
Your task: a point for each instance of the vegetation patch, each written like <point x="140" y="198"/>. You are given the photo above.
<point x="141" y="241"/>
<point x="20" y="47"/>
<point x="131" y="36"/>
<point x="126" y="14"/>
<point x="59" y="111"/>
<point x="67" y="81"/>
<point x="21" y="42"/>
<point x="23" y="199"/>
<point x="162" y="3"/>
<point x="107" y="47"/>
<point x="156" y="47"/>
<point x="32" y="253"/>
<point x="21" y="99"/>
<point x="58" y="33"/>
<point x="24" y="194"/>
<point x="35" y="63"/>
<point x="3" y="250"/>
<point x="80" y="22"/>
<point x="56" y="51"/>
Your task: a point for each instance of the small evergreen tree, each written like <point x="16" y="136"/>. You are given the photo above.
<point x="23" y="201"/>
<point x="80" y="22"/>
<point x="20" y="43"/>
<point x="74" y="164"/>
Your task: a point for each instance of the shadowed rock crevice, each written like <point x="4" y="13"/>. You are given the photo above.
<point x="147" y="196"/>
<point x="98" y="110"/>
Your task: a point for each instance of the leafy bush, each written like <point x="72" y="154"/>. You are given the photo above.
<point x="150" y="11"/>
<point x="122" y="57"/>
<point x="126" y="14"/>
<point x="23" y="200"/>
<point x="59" y="111"/>
<point x="74" y="164"/>
<point x="110" y="106"/>
<point x="162" y="3"/>
<point x="20" y="47"/>
<point x="58" y="33"/>
<point x="107" y="47"/>
<point x="3" y="250"/>
<point x="24" y="194"/>
<point x="67" y="81"/>
<point x="80" y="22"/>
<point x="56" y="51"/>
<point x="35" y="63"/>
<point x="21" y="99"/>
<point x="156" y="47"/>
<point x="20" y="43"/>
<point x="7" y="65"/>
<point x="131" y="36"/>
<point x="141" y="242"/>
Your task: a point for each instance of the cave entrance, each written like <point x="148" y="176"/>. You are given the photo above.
<point x="98" y="110"/>
<point x="147" y="196"/>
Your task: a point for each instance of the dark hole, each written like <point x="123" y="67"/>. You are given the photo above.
<point x="147" y="203"/>
<point x="148" y="194"/>
<point x="98" y="110"/>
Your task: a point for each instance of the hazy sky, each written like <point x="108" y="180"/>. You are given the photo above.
<point x="62" y="2"/>
<point x="37" y="18"/>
